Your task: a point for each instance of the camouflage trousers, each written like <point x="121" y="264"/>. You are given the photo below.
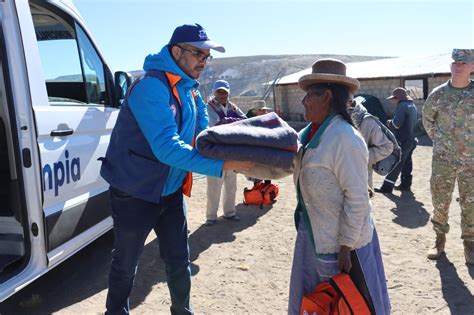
<point x="443" y="177"/>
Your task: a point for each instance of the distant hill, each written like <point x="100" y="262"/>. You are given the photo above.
<point x="247" y="75"/>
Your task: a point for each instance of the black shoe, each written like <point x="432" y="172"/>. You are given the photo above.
<point x="402" y="188"/>
<point x="383" y="190"/>
<point x="210" y="222"/>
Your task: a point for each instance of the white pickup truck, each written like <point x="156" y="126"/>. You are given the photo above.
<point x="58" y="104"/>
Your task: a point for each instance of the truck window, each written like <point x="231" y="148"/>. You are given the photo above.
<point x="73" y="70"/>
<point x="93" y="69"/>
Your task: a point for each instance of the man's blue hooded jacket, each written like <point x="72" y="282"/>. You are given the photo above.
<point x="149" y="123"/>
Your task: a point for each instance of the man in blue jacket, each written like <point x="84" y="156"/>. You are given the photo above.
<point x="148" y="164"/>
<point x="403" y="126"/>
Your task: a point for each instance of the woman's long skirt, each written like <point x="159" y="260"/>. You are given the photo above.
<point x="310" y="269"/>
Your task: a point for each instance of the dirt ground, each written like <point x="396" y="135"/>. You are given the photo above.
<point x="244" y="267"/>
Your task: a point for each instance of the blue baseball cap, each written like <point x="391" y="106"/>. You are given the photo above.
<point x="194" y="35"/>
<point x="222" y="85"/>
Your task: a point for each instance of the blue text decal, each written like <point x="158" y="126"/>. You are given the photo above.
<point x="61" y="172"/>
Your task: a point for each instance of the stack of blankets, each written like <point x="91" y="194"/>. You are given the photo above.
<point x="266" y="140"/>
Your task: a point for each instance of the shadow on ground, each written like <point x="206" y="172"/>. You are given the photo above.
<point x="458" y="297"/>
<point x="86" y="273"/>
<point x="424" y="140"/>
<point x="80" y="277"/>
<point x="409" y="212"/>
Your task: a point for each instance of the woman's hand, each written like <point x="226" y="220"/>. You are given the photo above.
<point x="237" y="165"/>
<point x="344" y="259"/>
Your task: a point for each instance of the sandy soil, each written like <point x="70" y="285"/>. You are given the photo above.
<point x="244" y="267"/>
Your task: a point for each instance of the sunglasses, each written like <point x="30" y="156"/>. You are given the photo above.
<point x="198" y="54"/>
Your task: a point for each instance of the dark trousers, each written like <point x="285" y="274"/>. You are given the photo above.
<point x="133" y="220"/>
<point x="405" y="167"/>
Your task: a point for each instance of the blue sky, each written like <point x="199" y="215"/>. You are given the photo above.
<point x="127" y="30"/>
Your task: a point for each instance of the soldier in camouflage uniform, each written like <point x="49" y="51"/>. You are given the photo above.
<point x="448" y="117"/>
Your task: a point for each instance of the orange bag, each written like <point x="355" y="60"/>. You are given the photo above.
<point x="338" y="296"/>
<point x="261" y="194"/>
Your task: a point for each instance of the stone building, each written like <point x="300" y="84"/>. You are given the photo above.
<point x="419" y="75"/>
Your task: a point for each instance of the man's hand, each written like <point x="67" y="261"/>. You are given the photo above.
<point x="344" y="259"/>
<point x="237" y="165"/>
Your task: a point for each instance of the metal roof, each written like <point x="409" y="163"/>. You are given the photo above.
<point x="388" y="68"/>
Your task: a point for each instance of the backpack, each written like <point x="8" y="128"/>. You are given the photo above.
<point x="261" y="194"/>
<point x="338" y="296"/>
<point x="385" y="166"/>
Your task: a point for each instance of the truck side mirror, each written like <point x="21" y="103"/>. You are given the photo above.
<point x="123" y="80"/>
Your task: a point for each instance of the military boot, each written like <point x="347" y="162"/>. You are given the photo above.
<point x="438" y="249"/>
<point x="469" y="252"/>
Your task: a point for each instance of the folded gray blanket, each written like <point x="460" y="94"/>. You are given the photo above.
<point x="267" y="172"/>
<point x="265" y="139"/>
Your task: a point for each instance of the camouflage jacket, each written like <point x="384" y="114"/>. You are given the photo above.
<point x="448" y="117"/>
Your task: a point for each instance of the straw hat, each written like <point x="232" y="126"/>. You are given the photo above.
<point x="260" y="104"/>
<point x="328" y="71"/>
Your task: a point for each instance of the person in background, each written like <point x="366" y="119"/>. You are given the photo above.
<point x="403" y="126"/>
<point x="222" y="111"/>
<point x="335" y="230"/>
<point x="448" y="118"/>
<point x="378" y="143"/>
<point x="148" y="161"/>
<point x="259" y="107"/>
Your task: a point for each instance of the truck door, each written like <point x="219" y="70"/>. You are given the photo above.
<point x="73" y="129"/>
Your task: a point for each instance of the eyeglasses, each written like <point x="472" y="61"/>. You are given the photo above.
<point x="198" y="54"/>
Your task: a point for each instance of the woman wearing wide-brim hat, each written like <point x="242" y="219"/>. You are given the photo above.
<point x="333" y="217"/>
